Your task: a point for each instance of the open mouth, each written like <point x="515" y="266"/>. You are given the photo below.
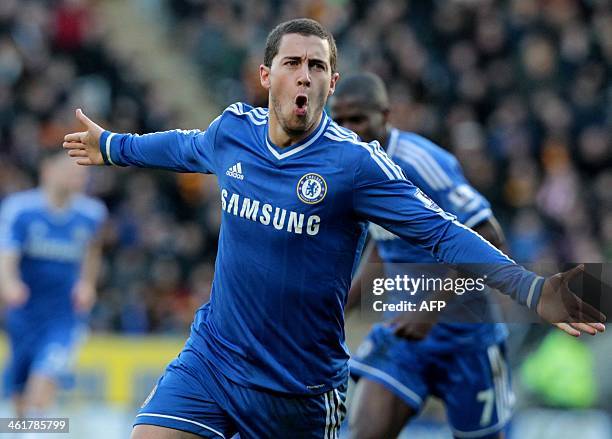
<point x="301" y="104"/>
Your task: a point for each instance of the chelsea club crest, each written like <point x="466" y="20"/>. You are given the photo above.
<point x="311" y="188"/>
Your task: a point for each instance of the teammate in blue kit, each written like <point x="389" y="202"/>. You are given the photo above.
<point x="462" y="363"/>
<point x="266" y="356"/>
<point x="49" y="259"/>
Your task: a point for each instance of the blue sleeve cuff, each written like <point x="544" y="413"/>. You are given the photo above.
<point x="534" y="292"/>
<point x="108" y="142"/>
<point x="105" y="147"/>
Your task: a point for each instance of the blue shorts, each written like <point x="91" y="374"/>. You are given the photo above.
<point x="50" y="352"/>
<point x="474" y="384"/>
<point x="193" y="396"/>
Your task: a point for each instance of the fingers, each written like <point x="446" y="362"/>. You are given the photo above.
<point x="84" y="119"/>
<point x="75" y="137"/>
<point x="84" y="162"/>
<point x="81" y="153"/>
<point x="591" y="322"/>
<point x="599" y="327"/>
<point x="73" y="145"/>
<point x="566" y="327"/>
<point x="589" y="313"/>
<point x="584" y="327"/>
<point x="576" y="328"/>
<point x="570" y="274"/>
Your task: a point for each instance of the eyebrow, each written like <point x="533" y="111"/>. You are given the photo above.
<point x="299" y="58"/>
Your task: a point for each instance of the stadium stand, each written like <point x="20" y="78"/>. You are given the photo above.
<point x="519" y="90"/>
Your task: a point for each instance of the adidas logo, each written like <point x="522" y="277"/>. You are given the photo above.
<point x="235" y="171"/>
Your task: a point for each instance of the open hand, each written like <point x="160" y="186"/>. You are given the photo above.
<point x="85" y="145"/>
<point x="83" y="296"/>
<point x="561" y="307"/>
<point x="413" y="326"/>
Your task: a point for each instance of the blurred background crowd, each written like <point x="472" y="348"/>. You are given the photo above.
<point x="160" y="242"/>
<point x="519" y="90"/>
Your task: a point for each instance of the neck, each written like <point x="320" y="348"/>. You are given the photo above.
<point x="384" y="140"/>
<point x="283" y="138"/>
<point x="58" y="199"/>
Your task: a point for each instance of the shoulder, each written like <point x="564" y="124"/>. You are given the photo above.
<point x="419" y="155"/>
<point x="367" y="157"/>
<point x="422" y="146"/>
<point x="21" y="202"/>
<point x="91" y="208"/>
<point x="242" y="111"/>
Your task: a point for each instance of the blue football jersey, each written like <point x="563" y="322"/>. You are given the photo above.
<point x="51" y="245"/>
<point x="293" y="219"/>
<point x="439" y="174"/>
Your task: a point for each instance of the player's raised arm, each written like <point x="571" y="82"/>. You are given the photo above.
<point x="176" y="150"/>
<point x="13" y="290"/>
<point x="382" y="195"/>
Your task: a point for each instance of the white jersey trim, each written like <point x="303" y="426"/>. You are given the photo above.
<point x="477" y="218"/>
<point x="176" y="418"/>
<point x="419" y="168"/>
<point x="424" y="164"/>
<point x="284" y="155"/>
<point x="392" y="142"/>
<point x="391" y="170"/>
<point x="385" y="377"/>
<point x="259" y="116"/>
<point x="532" y="289"/>
<point x="332" y="415"/>
<point x="108" y="149"/>
<point x="504" y="397"/>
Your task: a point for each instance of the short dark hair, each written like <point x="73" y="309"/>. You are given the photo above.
<point x="366" y="86"/>
<point x="302" y="26"/>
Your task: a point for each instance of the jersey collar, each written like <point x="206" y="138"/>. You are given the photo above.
<point x="281" y="153"/>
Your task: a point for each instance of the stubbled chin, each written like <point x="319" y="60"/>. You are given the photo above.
<point x="299" y="119"/>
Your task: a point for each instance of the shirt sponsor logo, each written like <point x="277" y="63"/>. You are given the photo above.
<point x="268" y="215"/>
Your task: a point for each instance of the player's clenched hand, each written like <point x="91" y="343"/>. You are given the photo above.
<point x="15" y="294"/>
<point x="412" y="330"/>
<point x="84" y="296"/>
<point x="85" y="145"/>
<point x="413" y="326"/>
<point x="560" y="306"/>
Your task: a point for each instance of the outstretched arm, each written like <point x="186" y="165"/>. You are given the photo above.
<point x="177" y="150"/>
<point x="383" y="195"/>
<point x="416" y="325"/>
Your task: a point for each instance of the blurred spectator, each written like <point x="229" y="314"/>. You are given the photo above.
<point x="53" y="58"/>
